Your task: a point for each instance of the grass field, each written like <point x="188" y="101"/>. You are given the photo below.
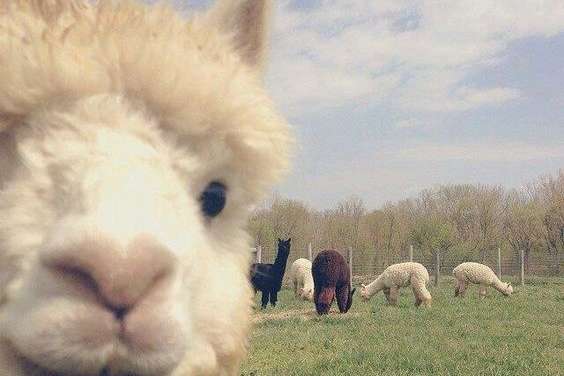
<point x="520" y="335"/>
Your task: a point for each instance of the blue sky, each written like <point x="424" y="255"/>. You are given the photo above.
<point x="388" y="97"/>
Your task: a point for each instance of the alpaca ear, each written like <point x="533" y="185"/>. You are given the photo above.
<point x="247" y="21"/>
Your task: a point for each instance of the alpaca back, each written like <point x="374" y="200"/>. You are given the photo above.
<point x="402" y="274"/>
<point x="475" y="273"/>
<point x="262" y="276"/>
<point x="269" y="276"/>
<point x="330" y="269"/>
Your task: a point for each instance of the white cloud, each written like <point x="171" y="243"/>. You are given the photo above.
<point x="393" y="172"/>
<point x="414" y="54"/>
<point x="476" y="152"/>
<point x="441" y="90"/>
<point x="407" y="123"/>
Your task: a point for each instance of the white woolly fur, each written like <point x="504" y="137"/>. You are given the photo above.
<point x="302" y="279"/>
<point x="480" y="274"/>
<point x="400" y="275"/>
<point x="114" y="117"/>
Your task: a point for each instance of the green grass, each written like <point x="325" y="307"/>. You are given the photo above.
<point x="520" y="335"/>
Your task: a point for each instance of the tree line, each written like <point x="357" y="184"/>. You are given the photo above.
<point x="462" y="221"/>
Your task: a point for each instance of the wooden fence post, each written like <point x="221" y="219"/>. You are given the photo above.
<point x="498" y="262"/>
<point x="309" y="252"/>
<point x="259" y="254"/>
<point x="411" y="253"/>
<point x="437" y="268"/>
<point x="522" y="274"/>
<point x="350" y="260"/>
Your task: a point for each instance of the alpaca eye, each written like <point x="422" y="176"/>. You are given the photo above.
<point x="213" y="199"/>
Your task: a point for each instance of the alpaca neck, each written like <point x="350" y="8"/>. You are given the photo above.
<point x="376" y="286"/>
<point x="279" y="265"/>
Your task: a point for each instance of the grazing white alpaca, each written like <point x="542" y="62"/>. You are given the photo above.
<point x="480" y="274"/>
<point x="400" y="275"/>
<point x="300" y="273"/>
<point x="133" y="144"/>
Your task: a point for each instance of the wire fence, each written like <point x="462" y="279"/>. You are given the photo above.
<point x="367" y="264"/>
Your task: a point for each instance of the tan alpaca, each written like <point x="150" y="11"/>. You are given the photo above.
<point x="133" y="144"/>
<point x="400" y="275"/>
<point x="480" y="274"/>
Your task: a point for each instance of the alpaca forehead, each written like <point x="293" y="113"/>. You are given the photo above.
<point x="124" y="138"/>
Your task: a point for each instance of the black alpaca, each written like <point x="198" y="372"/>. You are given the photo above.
<point x="268" y="277"/>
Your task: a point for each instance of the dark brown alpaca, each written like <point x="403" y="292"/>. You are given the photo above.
<point x="331" y="278"/>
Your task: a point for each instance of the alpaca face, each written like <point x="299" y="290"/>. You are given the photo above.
<point x="306" y="294"/>
<point x="284" y="246"/>
<point x="364" y="293"/>
<point x="126" y="268"/>
<point x="508" y="290"/>
<point x="122" y="234"/>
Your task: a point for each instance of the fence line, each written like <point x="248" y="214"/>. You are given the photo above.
<point x="365" y="265"/>
<point x="522" y="274"/>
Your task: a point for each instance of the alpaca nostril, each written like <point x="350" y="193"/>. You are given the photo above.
<point x="119" y="313"/>
<point x="74" y="275"/>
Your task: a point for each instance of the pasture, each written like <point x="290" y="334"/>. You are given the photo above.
<point x="519" y="335"/>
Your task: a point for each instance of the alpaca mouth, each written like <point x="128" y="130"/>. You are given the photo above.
<point x="33" y="368"/>
<point x="106" y="372"/>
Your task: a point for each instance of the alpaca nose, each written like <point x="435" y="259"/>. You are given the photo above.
<point x="120" y="276"/>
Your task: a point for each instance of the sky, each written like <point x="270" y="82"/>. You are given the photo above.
<point x="389" y="97"/>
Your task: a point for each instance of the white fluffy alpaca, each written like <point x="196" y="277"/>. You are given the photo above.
<point x="480" y="274"/>
<point x="400" y="275"/>
<point x="133" y="144"/>
<point x="300" y="273"/>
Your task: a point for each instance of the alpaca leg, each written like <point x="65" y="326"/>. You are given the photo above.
<point x="273" y="298"/>
<point x="342" y="295"/>
<point x="295" y="287"/>
<point x="264" y="300"/>
<point x="462" y="288"/>
<point x="387" y="295"/>
<point x="394" y="294"/>
<point x="482" y="292"/>
<point x="417" y="300"/>
<point x="457" y="288"/>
